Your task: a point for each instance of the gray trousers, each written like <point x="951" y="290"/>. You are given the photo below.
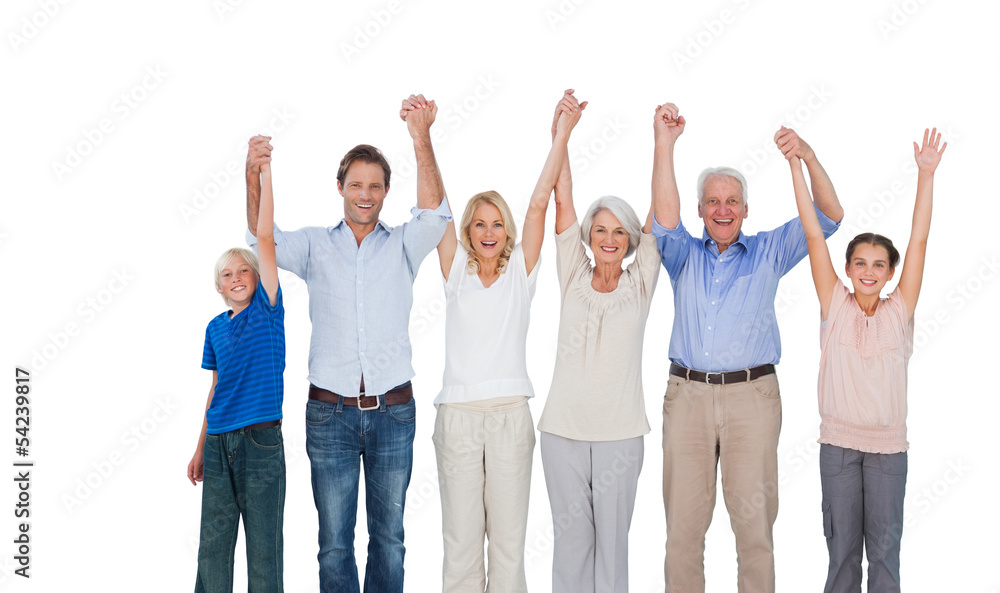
<point x="592" y="488"/>
<point x="862" y="507"/>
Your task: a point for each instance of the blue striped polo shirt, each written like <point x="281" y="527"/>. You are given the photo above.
<point x="248" y="352"/>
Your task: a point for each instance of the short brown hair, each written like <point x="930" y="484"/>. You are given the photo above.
<point x="366" y="154"/>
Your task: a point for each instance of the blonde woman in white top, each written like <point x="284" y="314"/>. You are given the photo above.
<point x="484" y="435"/>
<point x="595" y="416"/>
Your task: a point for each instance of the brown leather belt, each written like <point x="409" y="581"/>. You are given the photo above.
<point x="399" y="395"/>
<point x="721" y="378"/>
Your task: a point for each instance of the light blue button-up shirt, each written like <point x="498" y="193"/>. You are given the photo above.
<point x="360" y="297"/>
<point x="724" y="316"/>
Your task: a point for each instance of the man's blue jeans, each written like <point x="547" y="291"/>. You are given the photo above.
<point x="337" y="438"/>
<point x="244" y="476"/>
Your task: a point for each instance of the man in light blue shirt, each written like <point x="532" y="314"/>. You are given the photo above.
<point x="360" y="276"/>
<point x="722" y="401"/>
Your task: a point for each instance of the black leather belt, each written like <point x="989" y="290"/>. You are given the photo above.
<point x="721" y="378"/>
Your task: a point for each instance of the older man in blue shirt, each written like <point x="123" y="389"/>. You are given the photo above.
<point x="360" y="276"/>
<point x="722" y="401"/>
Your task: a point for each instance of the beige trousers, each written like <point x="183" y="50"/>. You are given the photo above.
<point x="484" y="468"/>
<point x="735" y="426"/>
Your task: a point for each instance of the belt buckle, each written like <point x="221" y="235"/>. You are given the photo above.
<point x="708" y="378"/>
<point x="362" y="408"/>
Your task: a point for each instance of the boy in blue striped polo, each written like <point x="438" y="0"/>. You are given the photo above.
<point x="240" y="455"/>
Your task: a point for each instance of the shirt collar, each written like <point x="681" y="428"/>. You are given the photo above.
<point x="710" y="242"/>
<point x="343" y="223"/>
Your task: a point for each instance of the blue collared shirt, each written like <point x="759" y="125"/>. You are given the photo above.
<point x="360" y="297"/>
<point x="724" y="316"/>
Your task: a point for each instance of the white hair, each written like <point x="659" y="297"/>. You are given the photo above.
<point x="725" y="174"/>
<point x="621" y="210"/>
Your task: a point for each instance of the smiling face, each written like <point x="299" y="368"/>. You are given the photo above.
<point x="608" y="239"/>
<point x="723" y="209"/>
<point x="237" y="283"/>
<point x="869" y="269"/>
<point x="487" y="234"/>
<point x="364" y="190"/>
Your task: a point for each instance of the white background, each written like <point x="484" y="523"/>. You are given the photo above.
<point x="108" y="255"/>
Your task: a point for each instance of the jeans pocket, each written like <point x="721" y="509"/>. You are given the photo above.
<point x="893" y="464"/>
<point x="265" y="438"/>
<point x="827" y="519"/>
<point x="831" y="460"/>
<point x="405" y="413"/>
<point x="318" y="412"/>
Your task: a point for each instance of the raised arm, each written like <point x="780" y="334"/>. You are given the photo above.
<point x="565" y="212"/>
<point x="258" y="154"/>
<point x="824" y="275"/>
<point x="430" y="188"/>
<point x="449" y="240"/>
<point x="927" y="156"/>
<point x="668" y="125"/>
<point x="791" y="145"/>
<point x="567" y="115"/>
<point x="266" y="258"/>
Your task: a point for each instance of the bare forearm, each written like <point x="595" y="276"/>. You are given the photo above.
<point x="565" y="211"/>
<point x="666" y="199"/>
<point x="253" y="201"/>
<point x="430" y="187"/>
<point x="823" y="191"/>
<point x="551" y="173"/>
<point x="922" y="207"/>
<point x="265" y="209"/>
<point x="807" y="215"/>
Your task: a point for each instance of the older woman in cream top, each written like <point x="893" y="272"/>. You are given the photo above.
<point x="595" y="415"/>
<point x="484" y="435"/>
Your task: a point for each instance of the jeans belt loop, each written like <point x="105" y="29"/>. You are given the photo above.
<point x="340" y="404"/>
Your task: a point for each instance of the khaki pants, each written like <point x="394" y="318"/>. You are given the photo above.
<point x="736" y="426"/>
<point x="484" y="468"/>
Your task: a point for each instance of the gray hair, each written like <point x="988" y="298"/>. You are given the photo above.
<point x="621" y="210"/>
<point x="724" y="173"/>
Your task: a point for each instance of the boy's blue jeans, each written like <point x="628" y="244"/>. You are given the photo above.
<point x="244" y="476"/>
<point x="338" y="439"/>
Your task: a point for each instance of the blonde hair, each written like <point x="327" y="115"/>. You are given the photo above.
<point x="495" y="199"/>
<point x="223" y="261"/>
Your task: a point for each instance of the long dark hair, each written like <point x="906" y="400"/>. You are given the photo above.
<point x="874" y="239"/>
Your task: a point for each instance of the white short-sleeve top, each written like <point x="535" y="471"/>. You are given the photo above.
<point x="485" y="332"/>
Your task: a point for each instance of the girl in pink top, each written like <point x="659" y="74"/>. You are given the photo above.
<point x="866" y="341"/>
